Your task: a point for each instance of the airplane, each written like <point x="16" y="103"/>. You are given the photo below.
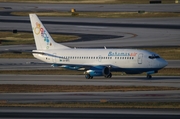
<point x="94" y="62"/>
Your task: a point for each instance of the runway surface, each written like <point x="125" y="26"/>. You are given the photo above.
<point x="89" y="7"/>
<point x="122" y="32"/>
<point x="24" y="64"/>
<point x="81" y="113"/>
<point x="129" y="96"/>
<point x="170" y="81"/>
<point x="122" y="35"/>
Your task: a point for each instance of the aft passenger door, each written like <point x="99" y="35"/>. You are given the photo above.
<point x="140" y="57"/>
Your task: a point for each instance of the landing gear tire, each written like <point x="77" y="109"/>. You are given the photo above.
<point x="149" y="76"/>
<point x="91" y="77"/>
<point x="87" y="76"/>
<point x="108" y="76"/>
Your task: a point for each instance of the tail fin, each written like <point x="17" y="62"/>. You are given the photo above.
<point x="42" y="38"/>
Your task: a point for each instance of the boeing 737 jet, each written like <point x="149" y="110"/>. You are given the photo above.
<point x="94" y="62"/>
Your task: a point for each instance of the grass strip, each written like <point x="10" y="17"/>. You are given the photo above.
<point x="140" y="105"/>
<point x="20" y="88"/>
<point x="17" y="55"/>
<point x="162" y="72"/>
<point x="24" y="38"/>
<point x="103" y="14"/>
<point x="90" y="1"/>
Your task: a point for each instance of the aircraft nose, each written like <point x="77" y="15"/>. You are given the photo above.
<point x="164" y="63"/>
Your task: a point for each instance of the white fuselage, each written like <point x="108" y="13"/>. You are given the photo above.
<point x="116" y="58"/>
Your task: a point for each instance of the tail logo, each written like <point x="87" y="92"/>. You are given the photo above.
<point x="40" y="30"/>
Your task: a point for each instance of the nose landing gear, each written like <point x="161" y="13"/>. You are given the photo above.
<point x="151" y="72"/>
<point x="149" y="76"/>
<point x="108" y="76"/>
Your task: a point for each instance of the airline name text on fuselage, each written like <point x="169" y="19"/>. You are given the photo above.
<point x="121" y="54"/>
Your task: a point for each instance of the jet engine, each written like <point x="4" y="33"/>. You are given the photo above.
<point x="98" y="71"/>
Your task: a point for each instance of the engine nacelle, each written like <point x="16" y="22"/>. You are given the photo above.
<point x="98" y="71"/>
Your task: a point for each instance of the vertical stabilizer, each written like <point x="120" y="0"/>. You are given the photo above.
<point x="42" y="38"/>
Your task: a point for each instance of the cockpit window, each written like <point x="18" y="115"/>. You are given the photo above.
<point x="154" y="56"/>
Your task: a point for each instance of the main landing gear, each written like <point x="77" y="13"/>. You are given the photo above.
<point x="149" y="76"/>
<point x="88" y="76"/>
<point x="108" y="76"/>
